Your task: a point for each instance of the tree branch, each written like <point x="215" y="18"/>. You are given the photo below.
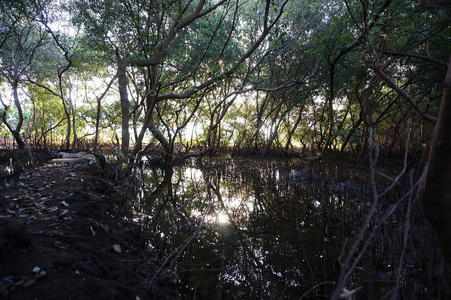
<point x="415" y="55"/>
<point x="406" y="96"/>
<point x="43" y="86"/>
<point x="232" y="70"/>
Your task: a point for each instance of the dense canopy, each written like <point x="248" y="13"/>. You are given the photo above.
<point x="203" y="76"/>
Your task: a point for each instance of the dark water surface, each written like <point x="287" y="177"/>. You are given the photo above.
<point x="241" y="228"/>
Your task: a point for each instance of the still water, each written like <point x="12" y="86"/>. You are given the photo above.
<point x="241" y="228"/>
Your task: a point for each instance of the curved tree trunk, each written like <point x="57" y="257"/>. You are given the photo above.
<point x="16" y="132"/>
<point x="296" y="124"/>
<point x="352" y="131"/>
<point x="98" y="110"/>
<point x="435" y="195"/>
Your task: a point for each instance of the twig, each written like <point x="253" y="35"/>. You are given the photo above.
<point x="349" y="264"/>
<point x="406" y="236"/>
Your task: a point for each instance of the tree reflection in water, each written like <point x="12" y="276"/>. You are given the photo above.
<point x="252" y="228"/>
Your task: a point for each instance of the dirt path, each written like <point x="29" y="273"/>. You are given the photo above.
<point x="61" y="237"/>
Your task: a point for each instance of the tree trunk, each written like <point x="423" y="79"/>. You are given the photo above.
<point x="16" y="132"/>
<point x="99" y="109"/>
<point x="72" y="110"/>
<point x="125" y="105"/>
<point x="352" y="131"/>
<point x="367" y="114"/>
<point x="160" y="137"/>
<point x="330" y="109"/>
<point x="68" y="130"/>
<point x="295" y="125"/>
<point x="275" y="129"/>
<point x="67" y="108"/>
<point x="96" y="137"/>
<point x="18" y="139"/>
<point x="219" y="113"/>
<point x="435" y="194"/>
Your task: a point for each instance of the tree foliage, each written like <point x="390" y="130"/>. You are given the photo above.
<point x="249" y="75"/>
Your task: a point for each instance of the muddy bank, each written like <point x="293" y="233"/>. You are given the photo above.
<point x="63" y="236"/>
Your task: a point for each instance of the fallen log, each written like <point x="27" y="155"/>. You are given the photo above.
<point x="79" y="157"/>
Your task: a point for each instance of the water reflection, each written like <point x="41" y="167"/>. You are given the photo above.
<point x="247" y="228"/>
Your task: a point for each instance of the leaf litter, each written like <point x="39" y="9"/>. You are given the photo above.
<point x="46" y="225"/>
